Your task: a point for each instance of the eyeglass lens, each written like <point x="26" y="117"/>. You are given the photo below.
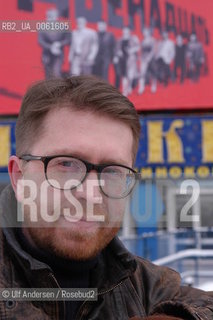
<point x="67" y="173"/>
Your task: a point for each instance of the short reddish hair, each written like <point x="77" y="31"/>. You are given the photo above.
<point x="78" y="92"/>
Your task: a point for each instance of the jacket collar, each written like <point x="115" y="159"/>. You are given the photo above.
<point x="115" y="264"/>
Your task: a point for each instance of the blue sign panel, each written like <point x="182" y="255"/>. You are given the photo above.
<point x="7" y="143"/>
<point x="176" y="146"/>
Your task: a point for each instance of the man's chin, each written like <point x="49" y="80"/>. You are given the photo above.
<point x="73" y="243"/>
<point x="79" y="244"/>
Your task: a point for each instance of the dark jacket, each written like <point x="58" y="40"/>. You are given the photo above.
<point x="106" y="49"/>
<point x="128" y="286"/>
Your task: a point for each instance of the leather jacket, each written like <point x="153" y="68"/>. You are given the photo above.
<point x="128" y="286"/>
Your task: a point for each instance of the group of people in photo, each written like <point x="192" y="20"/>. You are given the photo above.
<point x="135" y="64"/>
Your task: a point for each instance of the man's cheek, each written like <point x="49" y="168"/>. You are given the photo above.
<point x="116" y="210"/>
<point x="40" y="202"/>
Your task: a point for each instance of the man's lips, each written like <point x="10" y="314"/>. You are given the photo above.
<point x="79" y="223"/>
<point x="86" y="224"/>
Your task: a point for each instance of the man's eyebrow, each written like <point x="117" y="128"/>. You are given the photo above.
<point x="82" y="156"/>
<point x="113" y="161"/>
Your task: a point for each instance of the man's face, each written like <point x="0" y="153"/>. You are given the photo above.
<point x="101" y="26"/>
<point x="165" y="35"/>
<point x="146" y="33"/>
<point x="94" y="138"/>
<point x="126" y="33"/>
<point x="52" y="15"/>
<point x="193" y="38"/>
<point x="179" y="40"/>
<point x="81" y="23"/>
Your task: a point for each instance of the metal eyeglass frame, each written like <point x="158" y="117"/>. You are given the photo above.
<point x="89" y="166"/>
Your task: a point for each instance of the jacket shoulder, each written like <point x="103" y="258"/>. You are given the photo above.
<point x="163" y="293"/>
<point x="5" y="263"/>
<point x="154" y="283"/>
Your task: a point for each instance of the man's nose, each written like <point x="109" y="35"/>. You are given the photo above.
<point x="89" y="189"/>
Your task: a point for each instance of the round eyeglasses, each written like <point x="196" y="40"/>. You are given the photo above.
<point x="67" y="172"/>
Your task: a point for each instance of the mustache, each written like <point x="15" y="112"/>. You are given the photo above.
<point x="83" y="210"/>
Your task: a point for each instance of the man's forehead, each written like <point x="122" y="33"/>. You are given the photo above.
<point x="82" y="115"/>
<point x="94" y="137"/>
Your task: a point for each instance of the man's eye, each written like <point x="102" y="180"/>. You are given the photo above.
<point x="114" y="172"/>
<point x="67" y="164"/>
<point x="110" y="170"/>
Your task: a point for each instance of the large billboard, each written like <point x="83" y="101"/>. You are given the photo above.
<point x="159" y="53"/>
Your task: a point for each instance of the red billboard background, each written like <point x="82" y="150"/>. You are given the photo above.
<point x="20" y="54"/>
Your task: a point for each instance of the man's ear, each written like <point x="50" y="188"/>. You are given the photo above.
<point x="16" y="174"/>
